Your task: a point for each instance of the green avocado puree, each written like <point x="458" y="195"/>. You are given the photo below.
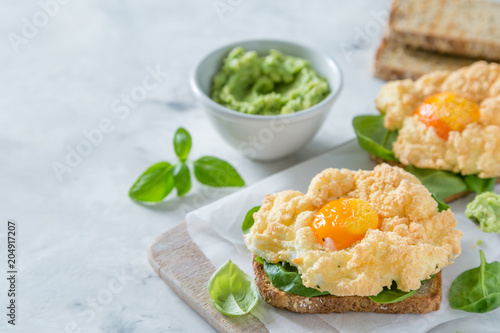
<point x="485" y="210"/>
<point x="271" y="85"/>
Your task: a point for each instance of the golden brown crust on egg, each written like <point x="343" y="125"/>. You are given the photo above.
<point x="447" y="199"/>
<point x="425" y="300"/>
<point x="479" y="82"/>
<point x="414" y="242"/>
<point x="475" y="150"/>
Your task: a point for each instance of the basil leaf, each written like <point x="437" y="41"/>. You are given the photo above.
<point x="233" y="292"/>
<point x="392" y="295"/>
<point x="249" y="221"/>
<point x="441" y="204"/>
<point x="442" y="183"/>
<point x="214" y="172"/>
<point x="480" y="185"/>
<point x="154" y="184"/>
<point x="286" y="277"/>
<point x="182" y="178"/>
<point x="182" y="143"/>
<point x="374" y="137"/>
<point x="478" y="289"/>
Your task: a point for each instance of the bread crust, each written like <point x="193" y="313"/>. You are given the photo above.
<point x="386" y="70"/>
<point x="445" y="27"/>
<point x="447" y="199"/>
<point x="425" y="300"/>
<point x="395" y="61"/>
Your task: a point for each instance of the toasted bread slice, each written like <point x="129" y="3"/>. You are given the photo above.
<point x="461" y="27"/>
<point x="426" y="299"/>
<point x="395" y="61"/>
<point x="447" y="199"/>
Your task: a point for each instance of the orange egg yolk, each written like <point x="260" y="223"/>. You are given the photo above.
<point x="342" y="222"/>
<point x="447" y="112"/>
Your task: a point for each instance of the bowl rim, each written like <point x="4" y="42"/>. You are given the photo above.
<point x="236" y="114"/>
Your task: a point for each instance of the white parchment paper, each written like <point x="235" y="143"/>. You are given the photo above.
<point x="216" y="230"/>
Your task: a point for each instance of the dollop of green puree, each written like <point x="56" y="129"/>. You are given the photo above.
<point x="485" y="210"/>
<point x="271" y="85"/>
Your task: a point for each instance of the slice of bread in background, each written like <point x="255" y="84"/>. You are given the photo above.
<point x="426" y="299"/>
<point x="462" y="27"/>
<point x="395" y="61"/>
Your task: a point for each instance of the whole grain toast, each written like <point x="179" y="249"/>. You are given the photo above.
<point x="396" y="61"/>
<point x="425" y="300"/>
<point x="461" y="27"/>
<point x="447" y="199"/>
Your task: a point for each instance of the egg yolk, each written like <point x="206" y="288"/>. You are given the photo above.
<point x="342" y="222"/>
<point x="447" y="112"/>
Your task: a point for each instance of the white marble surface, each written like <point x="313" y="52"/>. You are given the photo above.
<point x="68" y="75"/>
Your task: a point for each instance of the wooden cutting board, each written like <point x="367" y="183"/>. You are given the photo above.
<point x="181" y="264"/>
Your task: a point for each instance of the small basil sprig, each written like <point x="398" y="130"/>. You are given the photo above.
<point x="233" y="292"/>
<point x="478" y="289"/>
<point x="160" y="179"/>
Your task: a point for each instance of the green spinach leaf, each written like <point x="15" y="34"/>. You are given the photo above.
<point x="182" y="143"/>
<point x="374" y="137"/>
<point x="478" y="289"/>
<point x="215" y="172"/>
<point x="233" y="292"/>
<point x="286" y="277"/>
<point x="479" y="185"/>
<point x="154" y="184"/>
<point x="392" y="295"/>
<point x="441" y="204"/>
<point x="182" y="178"/>
<point x="249" y="221"/>
<point x="441" y="183"/>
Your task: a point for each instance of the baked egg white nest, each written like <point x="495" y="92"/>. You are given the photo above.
<point x="475" y="150"/>
<point x="414" y="242"/>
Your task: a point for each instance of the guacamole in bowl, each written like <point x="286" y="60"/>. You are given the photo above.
<point x="274" y="84"/>
<point x="266" y="88"/>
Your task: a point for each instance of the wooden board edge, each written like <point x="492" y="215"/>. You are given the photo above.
<point x="174" y="257"/>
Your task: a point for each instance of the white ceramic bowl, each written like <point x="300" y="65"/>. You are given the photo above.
<point x="265" y="137"/>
